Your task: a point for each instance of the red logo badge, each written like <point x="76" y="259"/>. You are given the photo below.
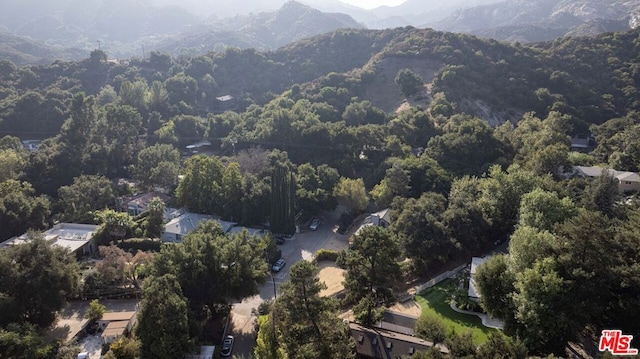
<point x="617" y="343"/>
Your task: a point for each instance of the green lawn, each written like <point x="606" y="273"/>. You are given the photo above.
<point x="436" y="300"/>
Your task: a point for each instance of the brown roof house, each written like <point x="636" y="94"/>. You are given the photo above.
<point x="378" y="343"/>
<point x="140" y="203"/>
<point x="115" y="325"/>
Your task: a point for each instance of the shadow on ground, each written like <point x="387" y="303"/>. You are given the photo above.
<point x="244" y="341"/>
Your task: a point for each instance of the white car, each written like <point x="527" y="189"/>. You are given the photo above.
<point x="227" y="346"/>
<point x="315" y="223"/>
<point x="278" y="265"/>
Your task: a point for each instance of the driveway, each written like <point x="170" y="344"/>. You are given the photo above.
<point x="301" y="246"/>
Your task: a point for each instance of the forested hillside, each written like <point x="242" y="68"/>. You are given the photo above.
<point x="466" y="140"/>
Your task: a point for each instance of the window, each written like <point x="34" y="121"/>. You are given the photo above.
<point x="374" y="341"/>
<point x="411" y="350"/>
<point x="361" y="339"/>
<point x="389" y="345"/>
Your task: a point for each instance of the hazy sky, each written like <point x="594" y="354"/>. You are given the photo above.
<point x="370" y="4"/>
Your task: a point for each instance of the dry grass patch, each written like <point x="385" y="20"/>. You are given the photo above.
<point x="332" y="276"/>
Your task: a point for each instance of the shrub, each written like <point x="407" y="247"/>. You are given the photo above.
<point x="140" y="244"/>
<point x="462" y="301"/>
<point x="326" y="255"/>
<point x="431" y="326"/>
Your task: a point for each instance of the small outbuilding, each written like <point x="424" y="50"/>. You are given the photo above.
<point x="115" y="325"/>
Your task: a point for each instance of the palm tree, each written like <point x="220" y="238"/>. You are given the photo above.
<point x="116" y="223"/>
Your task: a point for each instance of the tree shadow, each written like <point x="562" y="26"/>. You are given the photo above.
<point x="244" y="339"/>
<point x="58" y="333"/>
<point x="75" y="308"/>
<point x="268" y="290"/>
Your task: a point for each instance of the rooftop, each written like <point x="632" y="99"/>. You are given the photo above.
<point x="187" y="222"/>
<point x="199" y="144"/>
<point x="72" y="236"/>
<point x="597" y="172"/>
<point x="475" y="263"/>
<point x="115" y="329"/>
<point x="117" y="316"/>
<point x="225" y="98"/>
<point x="383" y="343"/>
<point x="143" y="200"/>
<point x="398" y="322"/>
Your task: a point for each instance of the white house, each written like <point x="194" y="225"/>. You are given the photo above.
<point x="177" y="228"/>
<point x="473" y="290"/>
<point x="72" y="236"/>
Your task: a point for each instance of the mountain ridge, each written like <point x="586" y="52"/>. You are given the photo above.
<point x="540" y="20"/>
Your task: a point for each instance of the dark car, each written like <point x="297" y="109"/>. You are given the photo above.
<point x="227" y="346"/>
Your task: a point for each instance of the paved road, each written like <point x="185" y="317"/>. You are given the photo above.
<point x="302" y="246"/>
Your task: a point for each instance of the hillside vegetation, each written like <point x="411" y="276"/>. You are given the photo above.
<point x="466" y="140"/>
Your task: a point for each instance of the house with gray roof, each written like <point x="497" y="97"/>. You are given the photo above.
<point x="627" y="181"/>
<point x="378" y="343"/>
<point x="380" y="218"/>
<point x="177" y="228"/>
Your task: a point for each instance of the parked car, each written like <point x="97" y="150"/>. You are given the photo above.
<point x="278" y="265"/>
<point x="315" y="223"/>
<point x="227" y="346"/>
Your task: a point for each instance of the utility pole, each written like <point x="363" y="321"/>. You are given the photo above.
<point x="275" y="295"/>
<point x="99" y="48"/>
<point x="142" y="50"/>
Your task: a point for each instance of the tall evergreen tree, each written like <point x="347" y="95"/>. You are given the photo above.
<point x="163" y="324"/>
<point x="307" y="324"/>
<point x="283" y="196"/>
<point x="372" y="270"/>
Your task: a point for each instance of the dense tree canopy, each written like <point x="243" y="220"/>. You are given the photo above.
<point x="29" y="293"/>
<point x="21" y="209"/>
<point x="211" y="268"/>
<point x="328" y="114"/>
<point x="163" y="325"/>
<point x="78" y="201"/>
